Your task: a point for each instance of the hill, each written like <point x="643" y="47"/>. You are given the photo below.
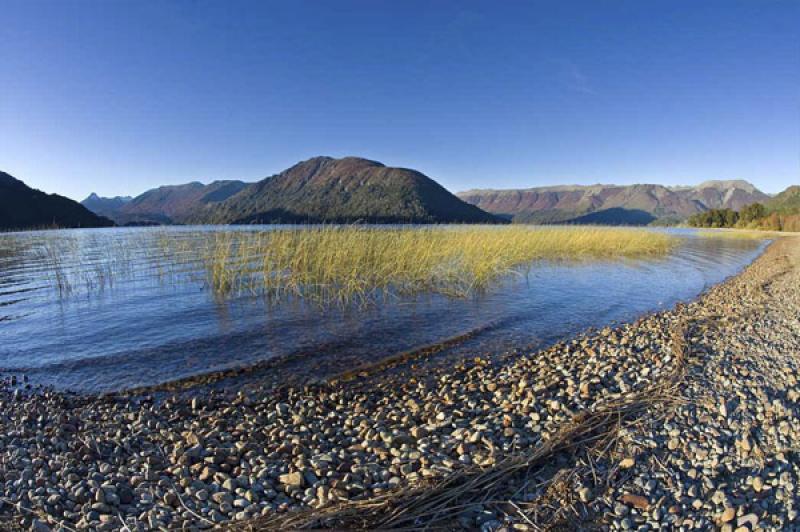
<point x="351" y="189"/>
<point x="168" y="204"/>
<point x="782" y="211"/>
<point x="23" y="207"/>
<point x="107" y="207"/>
<point x="787" y="202"/>
<point x="613" y="204"/>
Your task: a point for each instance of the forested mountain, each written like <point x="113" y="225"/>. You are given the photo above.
<point x="351" y="189"/>
<point x="23" y="207"/>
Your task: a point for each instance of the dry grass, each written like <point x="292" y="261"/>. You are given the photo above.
<point x="743" y="234"/>
<point x="436" y="505"/>
<point x="359" y="264"/>
<point x="595" y="435"/>
<point x="330" y="265"/>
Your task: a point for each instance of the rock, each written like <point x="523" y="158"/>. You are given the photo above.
<point x="171" y="499"/>
<point x="101" y="507"/>
<point x="292" y="479"/>
<point x="194" y="440"/>
<point x="728" y="515"/>
<point x="637" y="501"/>
<point x="627" y="463"/>
<point x="222" y="497"/>
<point x="126" y="495"/>
<point x="399" y="440"/>
<point x="585" y="390"/>
<point x="748" y="519"/>
<point x="39" y="526"/>
<point x="419" y="432"/>
<point x="745" y="444"/>
<point x="309" y="478"/>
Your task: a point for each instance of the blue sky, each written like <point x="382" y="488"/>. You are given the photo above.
<point x="118" y="97"/>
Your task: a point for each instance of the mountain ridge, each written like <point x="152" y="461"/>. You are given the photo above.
<point x="571" y="203"/>
<point x="23" y="207"/>
<point x="786" y="201"/>
<point x="168" y="204"/>
<point x="355" y="189"/>
<point x="349" y="189"/>
<point x="105" y="206"/>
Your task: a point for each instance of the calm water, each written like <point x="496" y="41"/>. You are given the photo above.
<point x="107" y="318"/>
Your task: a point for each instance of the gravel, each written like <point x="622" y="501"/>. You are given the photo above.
<point x="724" y="457"/>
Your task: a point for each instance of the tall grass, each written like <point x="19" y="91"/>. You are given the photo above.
<point x="740" y="234"/>
<point x="336" y="265"/>
<point x="357" y="264"/>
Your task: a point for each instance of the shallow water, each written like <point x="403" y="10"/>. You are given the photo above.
<point x="116" y="315"/>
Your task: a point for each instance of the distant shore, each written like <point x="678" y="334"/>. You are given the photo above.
<point x="311" y="455"/>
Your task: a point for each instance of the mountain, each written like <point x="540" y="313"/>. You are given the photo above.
<point x="22" y="207"/>
<point x="168" y="204"/>
<point x="107" y="207"/>
<point x="787" y="202"/>
<point x="345" y="190"/>
<point x="613" y="204"/>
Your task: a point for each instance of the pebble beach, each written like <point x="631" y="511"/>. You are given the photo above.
<point x="716" y="447"/>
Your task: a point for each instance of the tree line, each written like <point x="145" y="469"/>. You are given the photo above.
<point x="753" y="216"/>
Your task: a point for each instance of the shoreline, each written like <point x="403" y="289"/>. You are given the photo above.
<point x="281" y="368"/>
<point x="206" y="461"/>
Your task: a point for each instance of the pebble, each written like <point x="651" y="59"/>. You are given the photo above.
<point x="229" y="456"/>
<point x="734" y="422"/>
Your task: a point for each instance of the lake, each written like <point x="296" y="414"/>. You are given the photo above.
<point x="109" y="309"/>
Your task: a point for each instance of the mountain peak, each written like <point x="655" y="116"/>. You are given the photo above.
<point x="8" y="179"/>
<point x="729" y="184"/>
<point x="348" y="163"/>
<point x="349" y="189"/>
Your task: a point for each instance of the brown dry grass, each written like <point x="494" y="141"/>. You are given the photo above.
<point x="436" y="504"/>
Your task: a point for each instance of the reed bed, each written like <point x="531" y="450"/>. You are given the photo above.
<point x="331" y="265"/>
<point x="356" y="264"/>
<point x="741" y="234"/>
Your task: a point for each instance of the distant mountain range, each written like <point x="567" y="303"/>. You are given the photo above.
<point x="22" y="207"/>
<point x="352" y="189"/>
<point x="172" y="204"/>
<point x="107" y="207"/>
<point x="321" y="189"/>
<point x="613" y="204"/>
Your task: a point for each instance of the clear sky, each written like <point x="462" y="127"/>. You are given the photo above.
<point x="118" y="97"/>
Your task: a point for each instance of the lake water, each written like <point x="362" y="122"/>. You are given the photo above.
<point x="100" y="310"/>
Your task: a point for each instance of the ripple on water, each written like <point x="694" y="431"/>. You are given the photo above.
<point x="136" y="330"/>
